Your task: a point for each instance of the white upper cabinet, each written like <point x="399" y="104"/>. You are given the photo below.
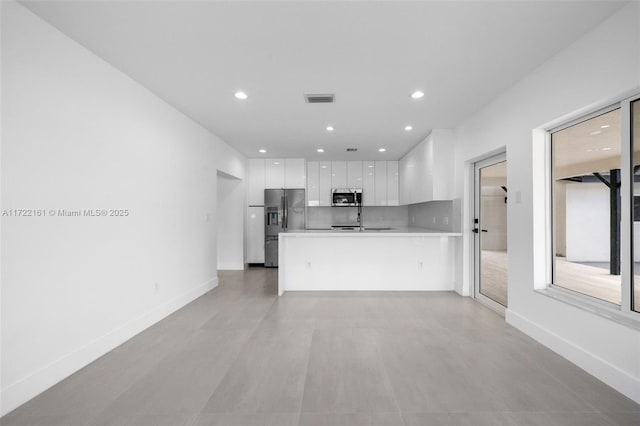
<point x="354" y="174"/>
<point x="274" y="173"/>
<point x="392" y="183"/>
<point x="426" y="172"/>
<point x="380" y="183"/>
<point x="368" y="183"/>
<point x="325" y="183"/>
<point x="313" y="183"/>
<point x="294" y="173"/>
<point x="443" y="141"/>
<point x="338" y="174"/>
<point x="256" y="181"/>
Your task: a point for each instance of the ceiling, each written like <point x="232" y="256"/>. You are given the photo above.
<point x="372" y="55"/>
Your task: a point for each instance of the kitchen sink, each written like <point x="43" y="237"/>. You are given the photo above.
<point x="357" y="229"/>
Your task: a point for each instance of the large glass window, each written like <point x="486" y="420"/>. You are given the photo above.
<point x="586" y="176"/>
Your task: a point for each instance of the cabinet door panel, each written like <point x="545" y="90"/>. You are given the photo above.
<point x="368" y="183"/>
<point x="274" y="176"/>
<point x="255" y="238"/>
<point x="338" y="174"/>
<point x="313" y="183"/>
<point x="294" y="173"/>
<point x="381" y="183"/>
<point x="354" y="174"/>
<point x="392" y="183"/>
<point x="256" y="181"/>
<point x="325" y="183"/>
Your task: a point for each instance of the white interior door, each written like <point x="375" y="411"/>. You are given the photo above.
<point x="490" y="232"/>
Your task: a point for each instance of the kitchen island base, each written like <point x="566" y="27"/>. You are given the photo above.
<point x="366" y="261"/>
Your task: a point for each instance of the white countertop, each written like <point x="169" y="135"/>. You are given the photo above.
<point x="395" y="232"/>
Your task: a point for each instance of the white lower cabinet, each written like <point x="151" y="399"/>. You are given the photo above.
<point x="255" y="237"/>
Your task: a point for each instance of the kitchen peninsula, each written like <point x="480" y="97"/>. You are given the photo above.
<point x="406" y="259"/>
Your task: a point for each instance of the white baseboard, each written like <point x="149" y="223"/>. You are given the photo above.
<point x="592" y="364"/>
<point x="231" y="266"/>
<point x="42" y="379"/>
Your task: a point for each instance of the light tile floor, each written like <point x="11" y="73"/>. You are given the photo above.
<point x="240" y="356"/>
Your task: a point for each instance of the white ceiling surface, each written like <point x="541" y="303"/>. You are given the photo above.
<point x="372" y="55"/>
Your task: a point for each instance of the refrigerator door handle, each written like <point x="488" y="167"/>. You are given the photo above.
<point x="282" y="207"/>
<point x="286" y="213"/>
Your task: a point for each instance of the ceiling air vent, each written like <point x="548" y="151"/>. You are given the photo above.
<point x="325" y="98"/>
<point x="352" y="149"/>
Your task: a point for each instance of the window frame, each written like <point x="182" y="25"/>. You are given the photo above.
<point x="624" y="312"/>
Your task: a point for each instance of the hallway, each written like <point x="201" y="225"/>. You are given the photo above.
<point x="241" y="356"/>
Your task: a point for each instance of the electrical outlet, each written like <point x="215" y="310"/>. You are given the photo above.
<point x="413" y="219"/>
<point x="433" y="219"/>
<point x="445" y="220"/>
<point x="156" y="287"/>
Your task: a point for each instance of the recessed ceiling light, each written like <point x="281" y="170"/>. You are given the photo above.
<point x="417" y="94"/>
<point x="370" y="166"/>
<point x="597" y="132"/>
<point x="606" y="148"/>
<point x="262" y="151"/>
<point x="323" y="167"/>
<point x="241" y="95"/>
<point x="605" y="126"/>
<point x="320" y="150"/>
<point x="382" y="149"/>
<point x="329" y="128"/>
<point x="408" y="128"/>
<point x="276" y="163"/>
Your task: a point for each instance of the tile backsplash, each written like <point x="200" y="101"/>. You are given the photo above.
<point x="436" y="215"/>
<point x="433" y="215"/>
<point x="391" y="216"/>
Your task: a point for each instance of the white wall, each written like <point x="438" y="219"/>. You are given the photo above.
<point x="78" y="134"/>
<point x="587" y="222"/>
<point x="570" y="82"/>
<point x="230" y="223"/>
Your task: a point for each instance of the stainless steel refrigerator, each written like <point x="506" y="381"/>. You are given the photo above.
<point x="284" y="211"/>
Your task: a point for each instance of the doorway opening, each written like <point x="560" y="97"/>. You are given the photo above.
<point x="230" y="222"/>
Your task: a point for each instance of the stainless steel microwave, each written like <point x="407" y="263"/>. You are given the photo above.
<point x="350" y="197"/>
